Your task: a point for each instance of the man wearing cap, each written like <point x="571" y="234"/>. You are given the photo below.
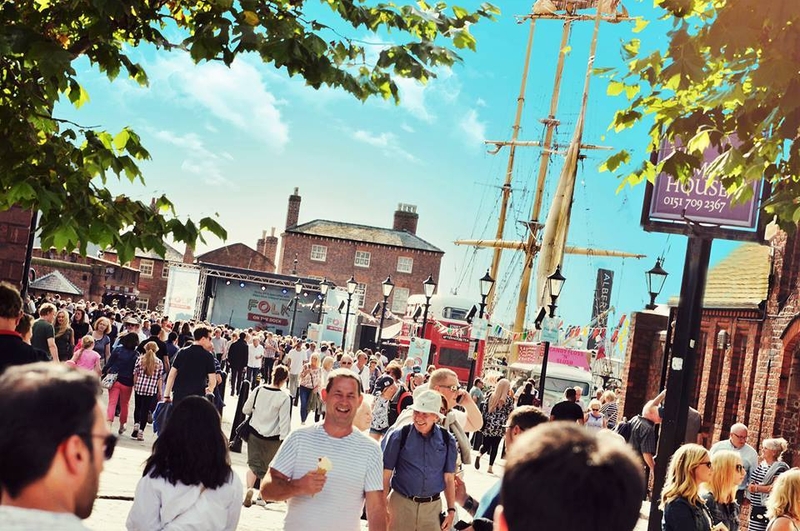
<point x="419" y="463"/>
<point x="385" y="388"/>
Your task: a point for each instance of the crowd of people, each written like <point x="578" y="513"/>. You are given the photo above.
<point x="382" y="440"/>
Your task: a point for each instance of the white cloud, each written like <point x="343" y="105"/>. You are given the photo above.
<point x="474" y="129"/>
<point x="237" y="95"/>
<point x="199" y="159"/>
<point x="407" y="128"/>
<point x="386" y="142"/>
<point x="412" y="98"/>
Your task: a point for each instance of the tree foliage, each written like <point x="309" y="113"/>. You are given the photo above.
<point x="727" y="79"/>
<point x="62" y="168"/>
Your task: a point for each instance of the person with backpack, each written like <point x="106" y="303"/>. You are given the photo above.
<point x="402" y="397"/>
<point x="414" y="491"/>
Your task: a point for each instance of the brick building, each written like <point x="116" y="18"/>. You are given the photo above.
<point x="15" y="226"/>
<point x="748" y="363"/>
<point x="241" y="256"/>
<point x="335" y="250"/>
<point x="153" y="273"/>
<point x="95" y="278"/>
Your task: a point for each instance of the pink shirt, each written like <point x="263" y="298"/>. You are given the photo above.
<point x="87" y="359"/>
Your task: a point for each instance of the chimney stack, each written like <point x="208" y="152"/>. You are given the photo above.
<point x="268" y="245"/>
<point x="405" y="218"/>
<point x="293" y="212"/>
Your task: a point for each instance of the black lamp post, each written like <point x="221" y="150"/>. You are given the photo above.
<point x="323" y="291"/>
<point x="387" y="286"/>
<point x="428" y="287"/>
<point x="655" y="283"/>
<point x="298" y="288"/>
<point x="486" y="283"/>
<point x="554" y="284"/>
<point x="351" y="288"/>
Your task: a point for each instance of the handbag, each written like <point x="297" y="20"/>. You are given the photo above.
<point x="109" y="380"/>
<point x="243" y="430"/>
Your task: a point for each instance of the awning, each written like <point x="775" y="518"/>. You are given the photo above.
<point x="392" y="331"/>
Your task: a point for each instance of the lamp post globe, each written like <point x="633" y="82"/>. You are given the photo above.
<point x="656" y="277"/>
<point x="428" y="288"/>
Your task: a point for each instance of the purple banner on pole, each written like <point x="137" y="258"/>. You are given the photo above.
<point x="700" y="201"/>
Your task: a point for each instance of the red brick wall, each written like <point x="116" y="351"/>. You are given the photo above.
<point x="14" y="232"/>
<point x="238" y="255"/>
<point x="88" y="274"/>
<point x="339" y="264"/>
<point x="293" y="212"/>
<point x="154" y="288"/>
<point x="643" y="361"/>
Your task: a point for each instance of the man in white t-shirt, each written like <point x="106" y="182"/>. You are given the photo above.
<point x="295" y="360"/>
<point x="362" y="368"/>
<point x="322" y="497"/>
<point x="255" y="352"/>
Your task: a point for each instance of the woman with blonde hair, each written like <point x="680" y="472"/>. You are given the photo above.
<point x="496" y="409"/>
<point x="310" y="389"/>
<point x="783" y="507"/>
<point x="102" y="340"/>
<point x="148" y="381"/>
<point x="684" y="509"/>
<point x="763" y="477"/>
<point x="65" y="337"/>
<point x="727" y="473"/>
<point x="609" y="408"/>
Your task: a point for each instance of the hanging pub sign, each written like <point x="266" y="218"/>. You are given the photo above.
<point x="672" y="206"/>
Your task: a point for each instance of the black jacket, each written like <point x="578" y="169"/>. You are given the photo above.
<point x="238" y="354"/>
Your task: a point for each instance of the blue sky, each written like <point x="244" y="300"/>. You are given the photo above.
<point x="236" y="142"/>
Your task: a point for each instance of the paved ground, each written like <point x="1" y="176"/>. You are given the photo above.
<point x="118" y="484"/>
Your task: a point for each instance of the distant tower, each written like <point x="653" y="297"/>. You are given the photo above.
<point x="268" y="245"/>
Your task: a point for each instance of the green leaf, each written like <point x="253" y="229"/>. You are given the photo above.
<point x="640" y="25"/>
<point x="615" y="161"/>
<point x="699" y="142"/>
<point x="121" y="140"/>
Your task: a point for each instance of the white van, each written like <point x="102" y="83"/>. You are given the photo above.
<point x="558" y="379"/>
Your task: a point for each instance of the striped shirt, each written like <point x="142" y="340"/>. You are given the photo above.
<point x="147" y="385"/>
<point x="357" y="468"/>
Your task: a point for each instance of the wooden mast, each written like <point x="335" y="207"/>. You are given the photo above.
<point x="506" y="190"/>
<point x="556" y="228"/>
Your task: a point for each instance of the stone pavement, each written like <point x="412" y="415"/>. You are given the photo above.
<point x="121" y="474"/>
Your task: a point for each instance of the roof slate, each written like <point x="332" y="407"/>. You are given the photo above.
<point x="56" y="282"/>
<point x="739" y="281"/>
<point x="364" y="233"/>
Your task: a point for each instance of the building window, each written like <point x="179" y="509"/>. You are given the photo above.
<point x="362" y="259"/>
<point x="399" y="300"/>
<point x="165" y="270"/>
<point x="405" y="264"/>
<point x="319" y="253"/>
<point x="361" y="294"/>
<point x="146" y="268"/>
<point x="143" y="304"/>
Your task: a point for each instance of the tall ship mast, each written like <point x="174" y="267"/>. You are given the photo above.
<point x="548" y="240"/>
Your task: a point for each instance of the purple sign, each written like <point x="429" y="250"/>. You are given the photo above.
<point x="700" y="201"/>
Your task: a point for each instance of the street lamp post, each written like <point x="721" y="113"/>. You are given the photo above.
<point x="486" y="283"/>
<point x="554" y="284"/>
<point x="351" y="288"/>
<point x="655" y="283"/>
<point x="298" y="288"/>
<point x="387" y="286"/>
<point x="323" y="291"/>
<point x="428" y="287"/>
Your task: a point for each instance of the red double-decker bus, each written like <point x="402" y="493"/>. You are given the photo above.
<point x="447" y="329"/>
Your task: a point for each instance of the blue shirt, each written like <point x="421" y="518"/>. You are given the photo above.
<point x="488" y="502"/>
<point x="420" y="466"/>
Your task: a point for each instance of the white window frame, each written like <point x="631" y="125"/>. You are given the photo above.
<point x="143" y="304"/>
<point x="165" y="270"/>
<point x="405" y="260"/>
<point x="360" y="294"/>
<point x="146" y="268"/>
<point x="362" y="259"/>
<point x="319" y="253"/>
<point x="400" y="300"/>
